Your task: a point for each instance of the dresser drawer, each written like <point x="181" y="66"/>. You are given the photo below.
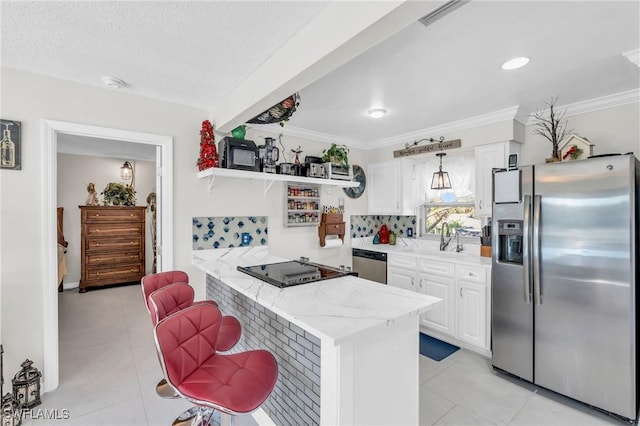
<point x="112" y="229"/>
<point x="471" y="273"/>
<point x="112" y="214"/>
<point x="436" y="267"/>
<point x="111" y="259"/>
<point x="116" y="274"/>
<point x="109" y="244"/>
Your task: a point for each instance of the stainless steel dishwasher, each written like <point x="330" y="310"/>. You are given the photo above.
<point x="370" y="265"/>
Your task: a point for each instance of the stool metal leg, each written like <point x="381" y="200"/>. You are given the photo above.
<point x="195" y="416"/>
<point x="165" y="391"/>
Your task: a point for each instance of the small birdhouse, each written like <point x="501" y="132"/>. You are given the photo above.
<point x="575" y="147"/>
<point x="26" y="385"/>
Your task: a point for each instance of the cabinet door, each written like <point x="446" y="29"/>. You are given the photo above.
<point x="442" y="317"/>
<point x="401" y="278"/>
<point x="472" y="302"/>
<point x="385" y="187"/>
<point x="488" y="157"/>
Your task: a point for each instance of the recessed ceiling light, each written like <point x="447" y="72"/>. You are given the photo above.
<point x="515" y="63"/>
<point x="114" y="83"/>
<point x="377" y="112"/>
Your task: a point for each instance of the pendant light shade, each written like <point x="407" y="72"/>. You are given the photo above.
<point x="127" y="172"/>
<point x="440" y="179"/>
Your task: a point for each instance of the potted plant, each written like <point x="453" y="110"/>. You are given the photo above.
<point x="552" y="127"/>
<point x="337" y="154"/>
<point x="117" y="194"/>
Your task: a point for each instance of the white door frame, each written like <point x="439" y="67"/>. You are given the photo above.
<point x="50" y="130"/>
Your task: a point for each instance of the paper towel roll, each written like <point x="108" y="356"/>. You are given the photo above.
<point x="332" y="241"/>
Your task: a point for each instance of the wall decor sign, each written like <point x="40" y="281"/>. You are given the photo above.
<point x="10" y="145"/>
<point x="432" y="147"/>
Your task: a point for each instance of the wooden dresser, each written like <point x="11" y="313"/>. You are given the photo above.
<point x="112" y="246"/>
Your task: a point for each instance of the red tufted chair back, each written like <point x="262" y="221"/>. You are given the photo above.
<point x="185" y="341"/>
<point x="153" y="282"/>
<point x="169" y="300"/>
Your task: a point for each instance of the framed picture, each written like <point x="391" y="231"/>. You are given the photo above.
<point x="10" y="145"/>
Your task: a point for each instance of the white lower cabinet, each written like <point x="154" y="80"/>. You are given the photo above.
<point x="437" y="279"/>
<point x="472" y="308"/>
<point x="463" y="316"/>
<point x="401" y="272"/>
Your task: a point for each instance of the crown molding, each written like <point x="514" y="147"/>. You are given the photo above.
<point x="512" y="113"/>
<point x="633" y="56"/>
<point x="454" y="126"/>
<point x="597" y="104"/>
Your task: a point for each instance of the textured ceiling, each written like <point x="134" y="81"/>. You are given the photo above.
<point x="196" y="53"/>
<point x="190" y="52"/>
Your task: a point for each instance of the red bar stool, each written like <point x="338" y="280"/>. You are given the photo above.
<point x="233" y="384"/>
<point x="230" y="330"/>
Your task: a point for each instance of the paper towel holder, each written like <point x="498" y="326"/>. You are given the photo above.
<point x="331" y="224"/>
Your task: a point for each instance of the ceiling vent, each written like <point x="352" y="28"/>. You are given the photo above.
<point x="443" y="10"/>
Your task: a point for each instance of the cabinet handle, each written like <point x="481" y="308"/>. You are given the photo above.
<point x="480" y="204"/>
<point x="461" y="293"/>
<point x="420" y="282"/>
<point x="131" y="243"/>
<point x="471" y="274"/>
<point x="97" y="214"/>
<point x="413" y="280"/>
<point x="97" y="244"/>
<point x="131" y="214"/>
<point x="97" y="258"/>
<point x="97" y="229"/>
<point x="398" y="205"/>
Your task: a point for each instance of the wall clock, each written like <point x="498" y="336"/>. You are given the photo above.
<point x="358" y="176"/>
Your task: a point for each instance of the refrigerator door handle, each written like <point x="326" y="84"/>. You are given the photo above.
<point x="525" y="248"/>
<point x="537" y="291"/>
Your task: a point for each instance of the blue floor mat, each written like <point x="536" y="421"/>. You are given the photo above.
<point x="435" y="349"/>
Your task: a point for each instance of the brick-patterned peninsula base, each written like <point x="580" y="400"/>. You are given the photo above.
<point x="296" y="397"/>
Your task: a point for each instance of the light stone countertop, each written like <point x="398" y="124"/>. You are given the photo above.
<point x="426" y="249"/>
<point x="334" y="310"/>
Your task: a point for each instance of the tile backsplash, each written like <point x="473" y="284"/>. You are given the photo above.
<point x="227" y="231"/>
<point x="368" y="225"/>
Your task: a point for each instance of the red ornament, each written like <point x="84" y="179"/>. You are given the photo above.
<point x="208" y="152"/>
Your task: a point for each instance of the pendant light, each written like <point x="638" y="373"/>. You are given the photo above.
<point x="127" y="172"/>
<point x="440" y="179"/>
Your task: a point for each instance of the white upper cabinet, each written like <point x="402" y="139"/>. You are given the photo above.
<point x="489" y="157"/>
<point x="392" y="187"/>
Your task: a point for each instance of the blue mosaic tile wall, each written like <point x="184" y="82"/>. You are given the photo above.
<point x="368" y="226"/>
<point x="225" y="232"/>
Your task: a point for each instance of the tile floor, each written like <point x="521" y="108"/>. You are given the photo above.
<point x="109" y="369"/>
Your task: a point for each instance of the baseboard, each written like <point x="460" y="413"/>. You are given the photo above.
<point x="70" y="286"/>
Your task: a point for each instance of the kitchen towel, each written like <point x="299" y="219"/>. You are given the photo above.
<point x="435" y="349"/>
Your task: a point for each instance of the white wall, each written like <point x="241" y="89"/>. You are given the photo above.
<point x="29" y="98"/>
<point x="74" y="173"/>
<point x="612" y="130"/>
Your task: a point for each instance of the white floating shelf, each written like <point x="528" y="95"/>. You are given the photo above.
<point x="271" y="177"/>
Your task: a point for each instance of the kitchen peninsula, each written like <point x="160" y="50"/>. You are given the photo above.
<point x="347" y="348"/>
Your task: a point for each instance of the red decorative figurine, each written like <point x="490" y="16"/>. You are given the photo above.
<point x="208" y="153"/>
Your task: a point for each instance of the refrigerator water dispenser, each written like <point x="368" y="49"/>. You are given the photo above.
<point x="510" y="241"/>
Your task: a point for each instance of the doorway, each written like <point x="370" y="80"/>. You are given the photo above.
<point x="51" y="130"/>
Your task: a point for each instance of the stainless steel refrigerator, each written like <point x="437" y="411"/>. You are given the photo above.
<point x="565" y="279"/>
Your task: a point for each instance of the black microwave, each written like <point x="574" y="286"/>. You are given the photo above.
<point x="238" y="154"/>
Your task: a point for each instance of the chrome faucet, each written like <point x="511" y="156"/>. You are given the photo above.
<point x="459" y="246"/>
<point x="443" y="243"/>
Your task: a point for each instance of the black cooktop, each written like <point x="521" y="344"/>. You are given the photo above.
<point x="293" y="272"/>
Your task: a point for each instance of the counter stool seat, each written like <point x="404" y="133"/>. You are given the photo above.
<point x="231" y="383"/>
